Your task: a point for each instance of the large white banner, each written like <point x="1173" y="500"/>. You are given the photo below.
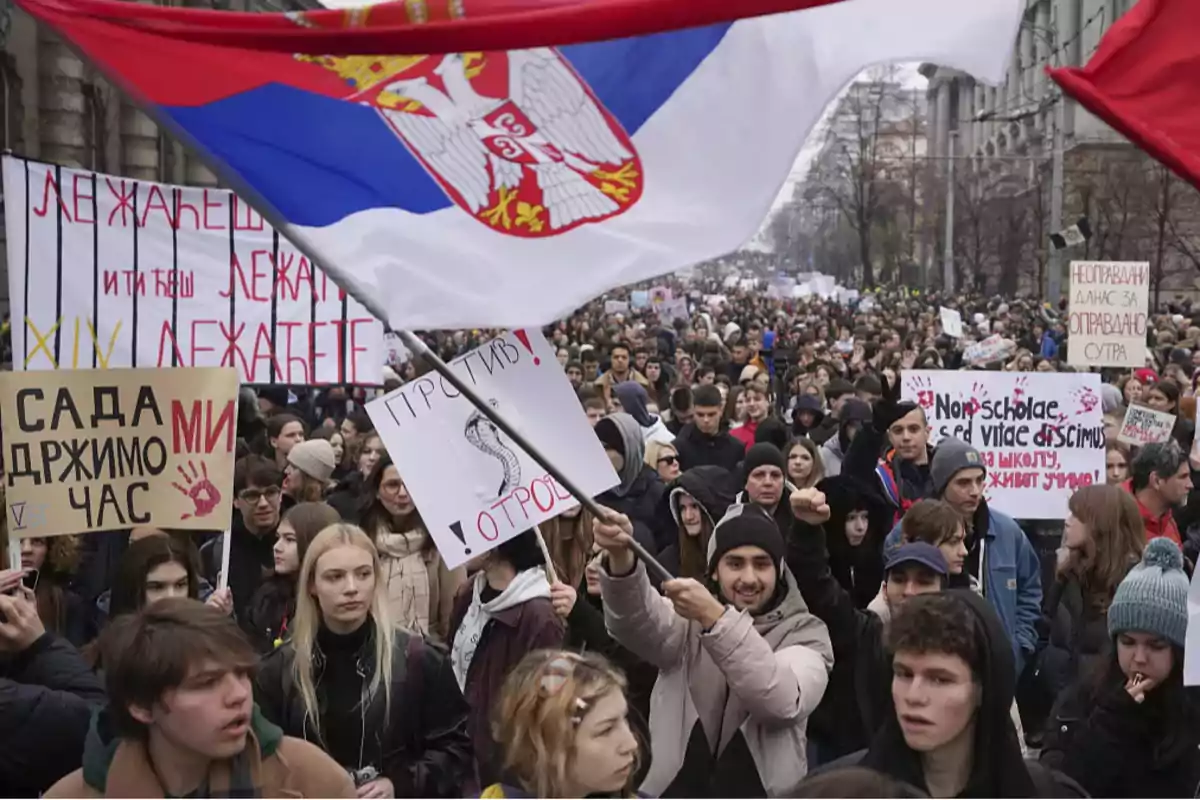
<point x="1040" y="434"/>
<point x="108" y="272"/>
<point x="1110" y="303"/>
<point x="474" y="486"/>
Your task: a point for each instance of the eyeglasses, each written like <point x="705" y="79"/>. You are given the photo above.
<point x="254" y="496"/>
<point x="669" y="460"/>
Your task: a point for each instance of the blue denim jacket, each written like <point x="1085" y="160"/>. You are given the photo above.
<point x="1013" y="583"/>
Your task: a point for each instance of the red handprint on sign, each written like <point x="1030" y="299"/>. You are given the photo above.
<point x="1087" y="399"/>
<point x="924" y="389"/>
<point x="204" y="495"/>
<point x="1019" y="388"/>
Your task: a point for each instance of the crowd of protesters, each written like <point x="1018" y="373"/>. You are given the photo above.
<point x="847" y="615"/>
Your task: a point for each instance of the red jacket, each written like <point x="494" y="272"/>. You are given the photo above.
<point x="745" y="434"/>
<point x="1156" y="526"/>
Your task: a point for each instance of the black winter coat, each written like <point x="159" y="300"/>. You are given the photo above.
<point x="47" y="695"/>
<point x="423" y="745"/>
<point x="1116" y="747"/>
<point x="712" y="487"/>
<point x="698" y="450"/>
<point x="640" y="504"/>
<point x="858" y="696"/>
<point x="269" y="612"/>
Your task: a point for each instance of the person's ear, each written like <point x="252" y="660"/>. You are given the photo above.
<point x="140" y="714"/>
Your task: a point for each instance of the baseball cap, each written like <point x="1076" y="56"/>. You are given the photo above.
<point x="921" y="553"/>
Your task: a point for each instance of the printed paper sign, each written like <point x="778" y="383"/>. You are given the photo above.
<point x="993" y="348"/>
<point x="91" y="450"/>
<point x="660" y="294"/>
<point x="674" y="309"/>
<point x="108" y="272"/>
<point x="1146" y="426"/>
<point x="616" y="307"/>
<point x="474" y="486"/>
<point x="951" y="322"/>
<point x="1040" y="434"/>
<point x="1110" y="301"/>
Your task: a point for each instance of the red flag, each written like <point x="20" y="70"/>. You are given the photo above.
<point x="1145" y="81"/>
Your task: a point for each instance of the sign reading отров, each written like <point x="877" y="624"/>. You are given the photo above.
<point x="92" y="450"/>
<point x="108" y="272"/>
<point x="1106" y="323"/>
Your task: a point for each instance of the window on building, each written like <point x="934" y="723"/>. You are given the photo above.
<point x="95" y="128"/>
<point x="10" y="98"/>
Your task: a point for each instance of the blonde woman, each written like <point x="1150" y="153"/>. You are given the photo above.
<point x="562" y="724"/>
<point x="379" y="700"/>
<point x="663" y="459"/>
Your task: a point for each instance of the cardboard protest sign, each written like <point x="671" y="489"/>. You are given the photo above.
<point x="108" y="272"/>
<point x="1041" y="435"/>
<point x="1145" y="426"/>
<point x="475" y="488"/>
<point x="92" y="450"/>
<point x="951" y="322"/>
<point x="1106" y="323"/>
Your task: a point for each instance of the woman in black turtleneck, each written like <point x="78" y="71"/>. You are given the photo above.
<point x="381" y="702"/>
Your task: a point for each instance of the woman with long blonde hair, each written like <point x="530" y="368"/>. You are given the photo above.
<point x="383" y="704"/>
<point x="561" y="723"/>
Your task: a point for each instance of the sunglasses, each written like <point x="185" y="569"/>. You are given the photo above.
<point x="669" y="460"/>
<point x="253" y="496"/>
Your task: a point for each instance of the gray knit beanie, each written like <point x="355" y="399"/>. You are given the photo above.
<point x="1153" y="596"/>
<point x="950" y="458"/>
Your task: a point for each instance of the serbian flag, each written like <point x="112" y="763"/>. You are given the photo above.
<point x="488" y="163"/>
<point x="1144" y="81"/>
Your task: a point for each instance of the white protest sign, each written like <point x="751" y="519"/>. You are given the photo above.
<point x="1040" y="434"/>
<point x="1106" y="323"/>
<point x="475" y="488"/>
<point x="109" y="272"/>
<point x="394" y="350"/>
<point x="660" y="294"/>
<point x="674" y="309"/>
<point x="1191" y="641"/>
<point x="616" y="307"/>
<point x="951" y="322"/>
<point x="1145" y="426"/>
<point x="993" y="348"/>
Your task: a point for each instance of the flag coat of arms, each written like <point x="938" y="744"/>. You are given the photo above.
<point x="504" y="188"/>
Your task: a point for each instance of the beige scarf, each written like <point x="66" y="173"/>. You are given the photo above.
<point x="406" y="576"/>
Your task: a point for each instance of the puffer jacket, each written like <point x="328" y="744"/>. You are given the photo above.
<point x="750" y="683"/>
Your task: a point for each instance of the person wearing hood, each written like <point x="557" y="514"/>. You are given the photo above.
<point x="862" y="669"/>
<point x="742" y="663"/>
<point x="633" y="399"/>
<point x="765" y="483"/>
<point x="999" y="555"/>
<point x="949" y="731"/>
<point x="1134" y="730"/>
<point x="858" y="524"/>
<point x="807" y="415"/>
<point x="854" y="415"/>
<point x="640" y="489"/>
<point x="501" y="615"/>
<point x="181" y="719"/>
<point x="705" y="441"/>
<point x="694" y="501"/>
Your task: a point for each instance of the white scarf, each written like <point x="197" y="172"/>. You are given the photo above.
<point x="525" y="587"/>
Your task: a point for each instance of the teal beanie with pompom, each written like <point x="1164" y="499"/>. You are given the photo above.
<point x="1153" y="596"/>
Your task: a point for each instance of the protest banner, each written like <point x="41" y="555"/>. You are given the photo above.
<point x="108" y="272"/>
<point x="1191" y="641"/>
<point x="1106" y="322"/>
<point x="993" y="348"/>
<point x="951" y="322"/>
<point x="660" y="294"/>
<point x="1144" y="425"/>
<point x="616" y="307"/>
<point x="475" y="487"/>
<point x="639" y="299"/>
<point x="92" y="450"/>
<point x="674" y="309"/>
<point x="1040" y="434"/>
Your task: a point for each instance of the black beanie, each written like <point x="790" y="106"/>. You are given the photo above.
<point x="745" y="525"/>
<point x="772" y="431"/>
<point x="763" y="454"/>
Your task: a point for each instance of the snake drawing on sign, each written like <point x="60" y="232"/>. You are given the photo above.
<point x="483" y="434"/>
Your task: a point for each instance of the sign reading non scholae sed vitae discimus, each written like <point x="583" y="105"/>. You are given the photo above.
<point x="474" y="486"/>
<point x="92" y="450"/>
<point x="1106" y="322"/>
